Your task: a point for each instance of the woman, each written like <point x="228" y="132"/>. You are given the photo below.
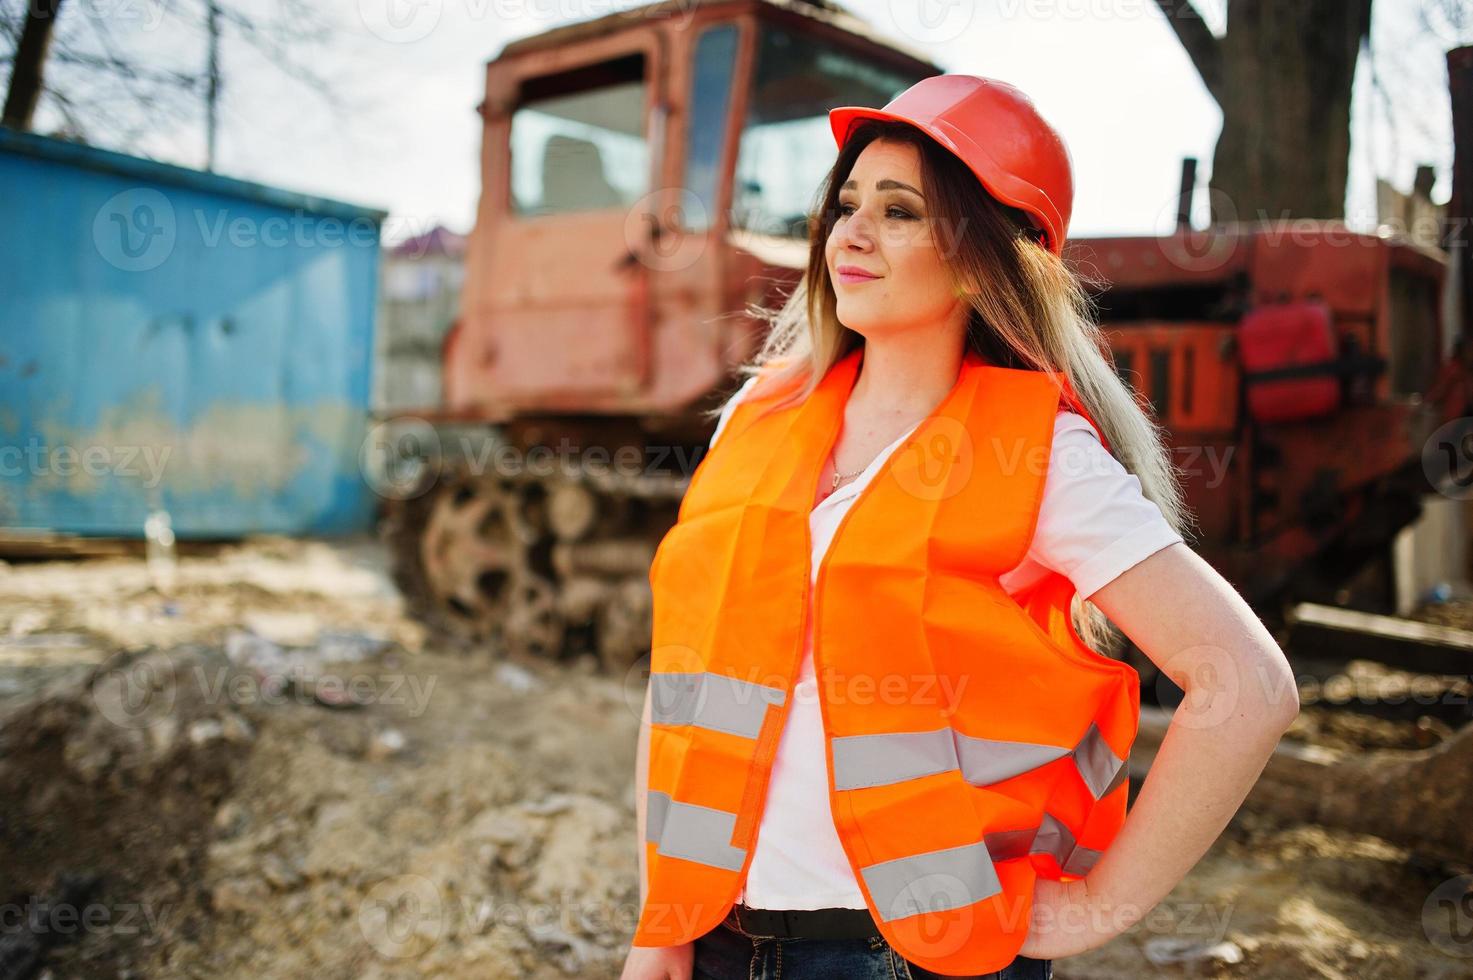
<point x="795" y="822"/>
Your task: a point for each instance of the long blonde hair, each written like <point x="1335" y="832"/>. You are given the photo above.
<point x="1028" y="310"/>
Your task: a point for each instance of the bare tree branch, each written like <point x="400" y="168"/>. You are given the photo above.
<point x="139" y="98"/>
<point x="71" y="122"/>
<point x="1382" y="95"/>
<point x="10" y="25"/>
<point x="117" y="66"/>
<point x="1449" y="20"/>
<point x="1201" y="45"/>
<point x="130" y="72"/>
<point x="276" y="44"/>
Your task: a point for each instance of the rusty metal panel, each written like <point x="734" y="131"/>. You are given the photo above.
<point x="1303" y="260"/>
<point x="1188" y="372"/>
<point x="1187" y="258"/>
<point x="556" y="308"/>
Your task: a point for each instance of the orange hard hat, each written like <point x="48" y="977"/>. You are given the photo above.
<point x="997" y="132"/>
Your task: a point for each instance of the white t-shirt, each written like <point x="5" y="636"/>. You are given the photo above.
<point x="1093" y="524"/>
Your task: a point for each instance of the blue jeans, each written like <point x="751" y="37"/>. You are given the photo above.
<point x="725" y="953"/>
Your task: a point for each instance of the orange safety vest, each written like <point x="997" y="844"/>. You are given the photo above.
<point x="974" y="742"/>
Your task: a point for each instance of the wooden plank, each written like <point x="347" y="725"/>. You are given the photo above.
<point x="1331" y="634"/>
<point x="20" y="544"/>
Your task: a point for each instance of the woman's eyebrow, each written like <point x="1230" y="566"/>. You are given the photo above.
<point x="883" y="185"/>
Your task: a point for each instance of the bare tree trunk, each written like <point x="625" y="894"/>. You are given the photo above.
<point x="30" y="61"/>
<point x="1282" y="75"/>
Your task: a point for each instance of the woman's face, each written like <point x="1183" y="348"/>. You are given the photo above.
<point x="883" y="229"/>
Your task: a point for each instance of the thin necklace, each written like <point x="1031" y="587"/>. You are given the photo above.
<point x="840" y="477"/>
<point x="844" y="476"/>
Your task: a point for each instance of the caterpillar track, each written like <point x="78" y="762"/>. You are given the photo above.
<point x="535" y="565"/>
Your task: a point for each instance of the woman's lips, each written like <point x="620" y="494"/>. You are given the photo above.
<point x="854" y="278"/>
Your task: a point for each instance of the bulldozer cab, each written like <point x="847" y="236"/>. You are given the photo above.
<point x="636" y="171"/>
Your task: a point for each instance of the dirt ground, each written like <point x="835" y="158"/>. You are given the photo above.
<point x="273" y="772"/>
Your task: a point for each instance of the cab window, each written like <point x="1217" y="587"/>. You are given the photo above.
<point x="710" y="99"/>
<point x="786" y="145"/>
<point x="578" y="140"/>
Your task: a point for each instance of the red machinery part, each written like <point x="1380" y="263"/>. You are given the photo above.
<point x="1289" y="356"/>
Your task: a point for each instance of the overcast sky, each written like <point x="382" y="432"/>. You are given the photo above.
<point x="1108" y="73"/>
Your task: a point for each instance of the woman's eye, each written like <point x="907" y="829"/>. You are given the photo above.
<point x="894" y="212"/>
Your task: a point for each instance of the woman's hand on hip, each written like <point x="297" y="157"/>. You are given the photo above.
<point x="1066" y="920"/>
<point x="660" y="962"/>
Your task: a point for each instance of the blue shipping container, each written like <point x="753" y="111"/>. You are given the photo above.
<point x="173" y="337"/>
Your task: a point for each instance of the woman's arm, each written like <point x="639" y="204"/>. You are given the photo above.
<point x="641" y="791"/>
<point x="651" y="962"/>
<point x="1240" y="697"/>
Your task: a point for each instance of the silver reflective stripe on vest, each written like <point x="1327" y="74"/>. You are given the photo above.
<point x="986" y="761"/>
<point x="955" y="877"/>
<point x="1097" y="762"/>
<point x="1007" y="845"/>
<point x="936" y="881"/>
<point x="694" y="833"/>
<point x="1050" y="837"/>
<point x="1056" y="839"/>
<point x="878" y="760"/>
<point x="861" y="761"/>
<point x="714" y="701"/>
<point x="1053" y="838"/>
<point x="1081" y="859"/>
<point x="1121" y="775"/>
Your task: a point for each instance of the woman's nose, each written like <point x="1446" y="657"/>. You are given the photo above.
<point x="857" y="230"/>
